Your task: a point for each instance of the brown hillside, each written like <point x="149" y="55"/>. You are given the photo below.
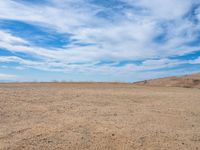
<point x="188" y="81"/>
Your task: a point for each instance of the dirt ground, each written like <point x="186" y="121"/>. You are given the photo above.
<point x="98" y="116"/>
<point x="187" y="81"/>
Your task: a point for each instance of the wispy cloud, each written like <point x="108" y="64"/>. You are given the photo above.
<point x="7" y="77"/>
<point x="151" y="32"/>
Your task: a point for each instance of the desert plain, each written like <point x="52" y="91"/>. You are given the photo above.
<point x="98" y="116"/>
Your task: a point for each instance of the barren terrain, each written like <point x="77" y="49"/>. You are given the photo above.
<point x="187" y="81"/>
<point x="98" y="116"/>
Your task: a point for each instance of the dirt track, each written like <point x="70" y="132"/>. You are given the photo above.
<point x="98" y="117"/>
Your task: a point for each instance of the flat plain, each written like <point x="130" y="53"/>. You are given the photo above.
<point x="98" y="116"/>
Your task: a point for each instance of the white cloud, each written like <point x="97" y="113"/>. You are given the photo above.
<point x="165" y="9"/>
<point x="195" y="61"/>
<point x="8" y="38"/>
<point x="197" y="13"/>
<point x="123" y="39"/>
<point x="7" y="77"/>
<point x="128" y="36"/>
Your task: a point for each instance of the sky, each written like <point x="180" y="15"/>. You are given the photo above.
<point x="98" y="40"/>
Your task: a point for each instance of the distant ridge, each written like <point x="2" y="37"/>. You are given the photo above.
<point x="187" y="81"/>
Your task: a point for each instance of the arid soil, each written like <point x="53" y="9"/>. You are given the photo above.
<point x="187" y="81"/>
<point x="98" y="116"/>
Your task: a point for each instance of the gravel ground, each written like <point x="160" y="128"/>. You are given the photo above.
<point x="98" y="116"/>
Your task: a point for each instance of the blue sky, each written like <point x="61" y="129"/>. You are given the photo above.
<point x="98" y="40"/>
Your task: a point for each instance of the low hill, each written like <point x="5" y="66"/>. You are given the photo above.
<point x="187" y="81"/>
